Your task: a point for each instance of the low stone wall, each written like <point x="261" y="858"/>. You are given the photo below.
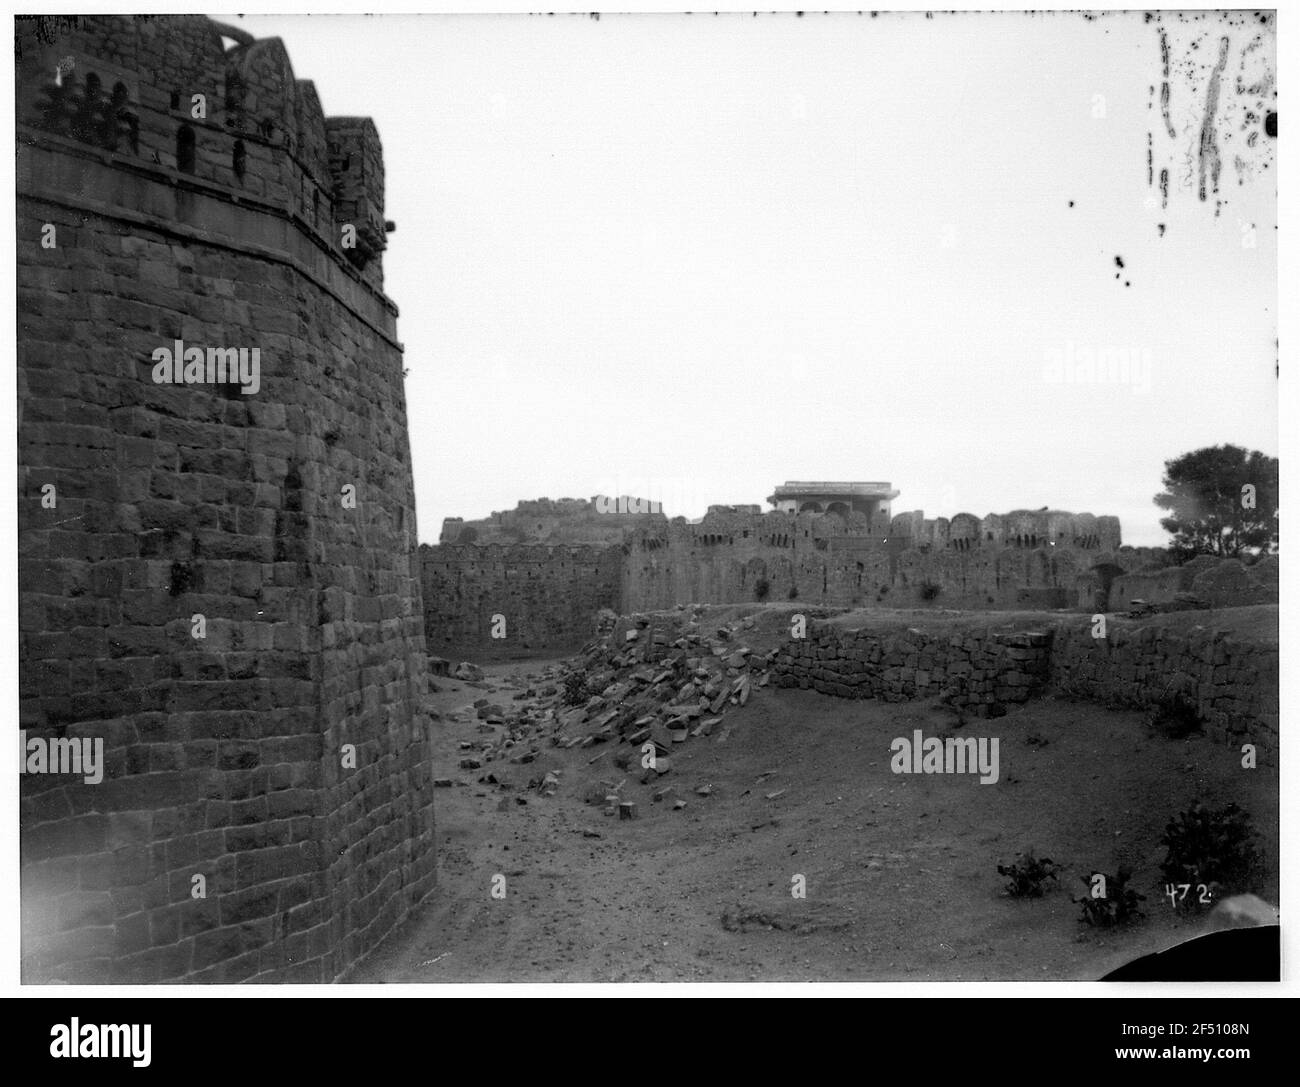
<point x="1232" y="679"/>
<point x="980" y="670"/>
<point x="1230" y="675"/>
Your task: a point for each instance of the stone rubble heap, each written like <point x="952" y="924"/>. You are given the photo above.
<point x="659" y="681"/>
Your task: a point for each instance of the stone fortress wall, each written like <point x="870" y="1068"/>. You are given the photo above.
<point x="736" y="554"/>
<point x="146" y="216"/>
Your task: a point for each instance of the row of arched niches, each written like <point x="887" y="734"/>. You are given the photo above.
<point x="130" y="87"/>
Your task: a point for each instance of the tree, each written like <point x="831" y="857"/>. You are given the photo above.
<point x="1222" y="501"/>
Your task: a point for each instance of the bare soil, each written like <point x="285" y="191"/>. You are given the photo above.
<point x="900" y="870"/>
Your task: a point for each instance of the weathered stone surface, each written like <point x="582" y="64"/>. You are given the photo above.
<point x="173" y="500"/>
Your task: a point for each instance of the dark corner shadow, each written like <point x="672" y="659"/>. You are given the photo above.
<point x="1241" y="954"/>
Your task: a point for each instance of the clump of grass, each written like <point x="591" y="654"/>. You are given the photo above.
<point x="1117" y="906"/>
<point x="1027" y="875"/>
<point x="1216" y="847"/>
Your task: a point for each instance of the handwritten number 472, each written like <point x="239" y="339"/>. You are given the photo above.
<point x="1172" y="889"/>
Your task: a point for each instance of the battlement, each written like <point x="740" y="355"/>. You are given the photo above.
<point x="162" y="96"/>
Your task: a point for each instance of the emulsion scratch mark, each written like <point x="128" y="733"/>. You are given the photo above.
<point x="1164" y="85"/>
<point x="1164" y="188"/>
<point x="1209" y="153"/>
<point x="1224" y="111"/>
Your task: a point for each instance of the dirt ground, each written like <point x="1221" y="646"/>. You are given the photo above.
<point x="900" y="870"/>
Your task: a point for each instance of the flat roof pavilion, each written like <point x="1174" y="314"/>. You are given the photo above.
<point x="826" y="496"/>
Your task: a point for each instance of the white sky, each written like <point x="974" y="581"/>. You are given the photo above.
<point x="688" y="258"/>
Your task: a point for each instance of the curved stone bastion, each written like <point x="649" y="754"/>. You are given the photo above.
<point x="218" y="589"/>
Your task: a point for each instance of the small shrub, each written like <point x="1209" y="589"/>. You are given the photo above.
<point x="1212" y="846"/>
<point x="1119" y="907"/>
<point x="575" y="688"/>
<point x="1175" y="715"/>
<point x="762" y="588"/>
<point x="929" y="590"/>
<point x="793" y="593"/>
<point x="1027" y="874"/>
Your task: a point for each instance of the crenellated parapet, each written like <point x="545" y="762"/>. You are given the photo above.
<point x="1029" y="529"/>
<point x="166" y="95"/>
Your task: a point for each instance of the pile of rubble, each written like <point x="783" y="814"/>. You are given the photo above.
<point x="655" y="680"/>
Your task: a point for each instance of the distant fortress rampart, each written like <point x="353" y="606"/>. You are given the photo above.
<point x="548" y="566"/>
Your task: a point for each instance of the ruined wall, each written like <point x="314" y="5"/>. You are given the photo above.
<point x="1230" y="675"/>
<point x="736" y="554"/>
<point x="552" y="521"/>
<point x="1210" y="581"/>
<point x="980" y="670"/>
<point x="836" y="561"/>
<point x="223" y="753"/>
<point x="547" y="595"/>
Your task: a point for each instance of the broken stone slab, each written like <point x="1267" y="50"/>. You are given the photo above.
<point x="704" y="790"/>
<point x="471" y="764"/>
<point x="661" y="737"/>
<point x="738" y="658"/>
<point x="715" y="707"/>
<point x="466" y="671"/>
<point x="631" y="636"/>
<point x="666" y="793"/>
<point x="678" y="735"/>
<point x="678" y="805"/>
<point x="600" y="792"/>
<point x="443" y="783"/>
<point x="627" y="809"/>
<point x="662" y="765"/>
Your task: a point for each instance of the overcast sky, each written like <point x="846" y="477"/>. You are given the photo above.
<point x="688" y="258"/>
